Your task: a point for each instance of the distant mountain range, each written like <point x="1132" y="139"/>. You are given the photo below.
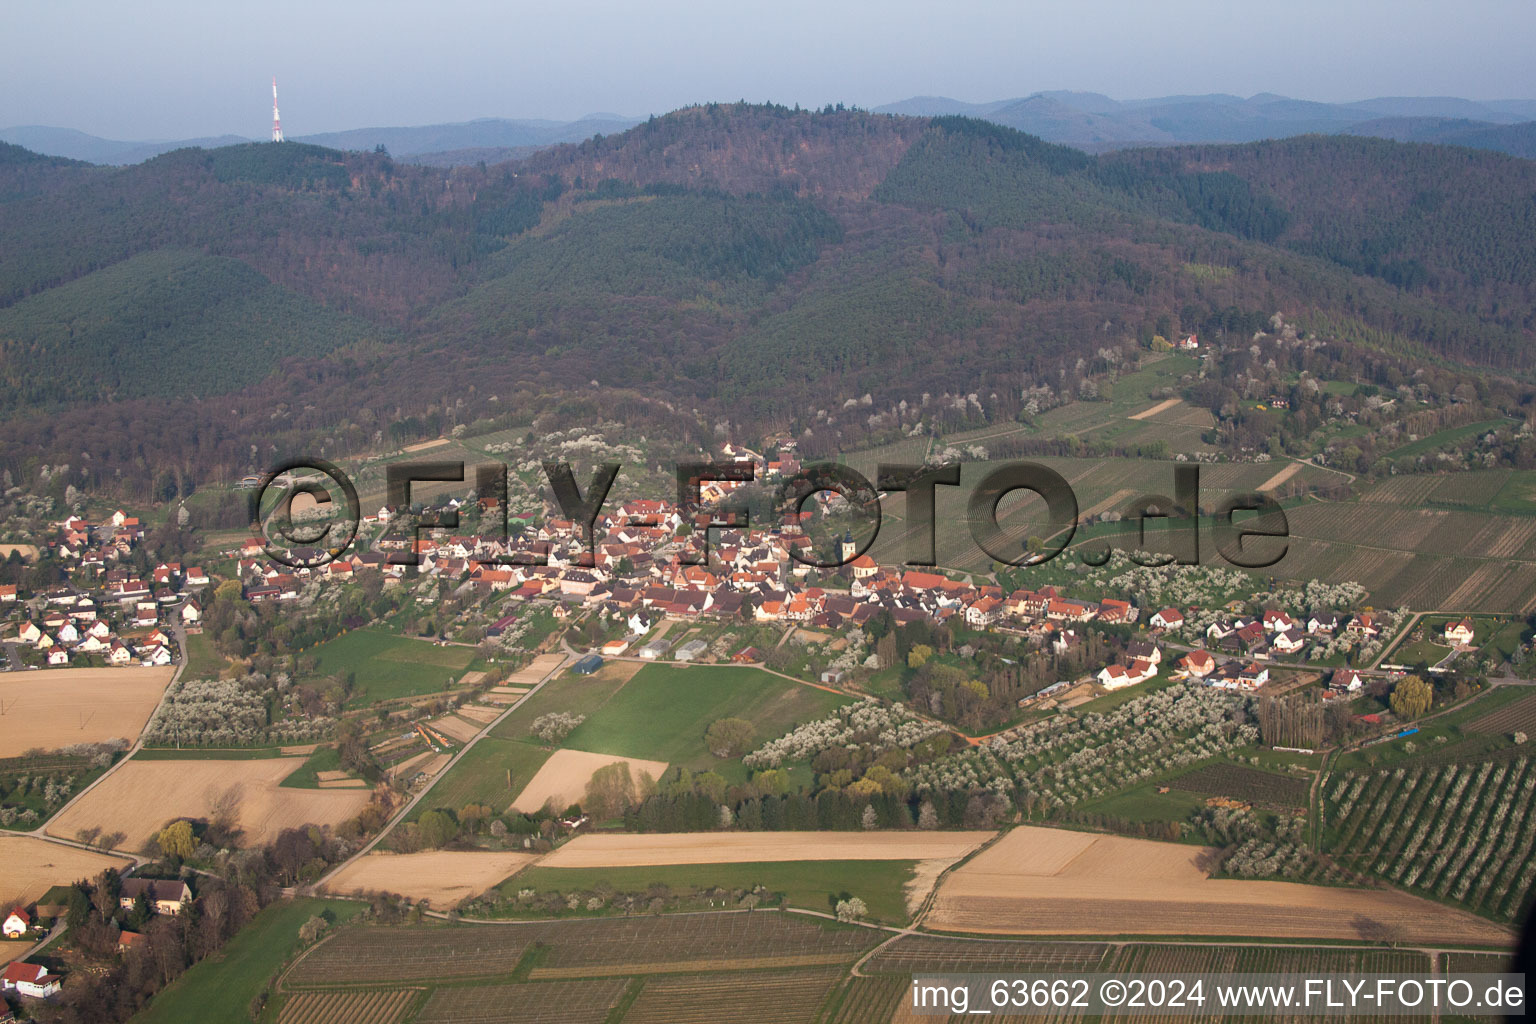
<point x="489" y="139"/>
<point x="1097" y="123"/>
<point x="1085" y="120"/>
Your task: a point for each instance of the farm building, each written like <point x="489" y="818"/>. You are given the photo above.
<point x="29" y="980"/>
<point x="691" y="650"/>
<point x="655" y="649"/>
<point x="586" y="666"/>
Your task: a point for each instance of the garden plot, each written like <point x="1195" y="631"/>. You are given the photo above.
<point x="141" y="796"/>
<point x="59" y="707"/>
<point x="535" y="670"/>
<point x="1040" y="881"/>
<point x="456" y="728"/>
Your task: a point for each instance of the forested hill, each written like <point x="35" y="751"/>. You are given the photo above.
<point x="751" y="261"/>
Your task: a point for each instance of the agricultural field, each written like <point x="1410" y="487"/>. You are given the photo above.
<point x="638" y="850"/>
<point x="142" y="795"/>
<point x="481" y="775"/>
<point x="583" y="948"/>
<point x="663" y="712"/>
<point x="60" y="707"/>
<point x="567" y="691"/>
<point x="891" y="889"/>
<point x="441" y="877"/>
<point x="562" y="779"/>
<point x="388" y="667"/>
<point x="1066" y="883"/>
<point x="795" y="997"/>
<point x="33" y="866"/>
<point x="1251" y="785"/>
<point x="543" y="1002"/>
<point x="371" y="1006"/>
<point x="1519" y="716"/>
<point x="1462" y="833"/>
<point x="222" y="987"/>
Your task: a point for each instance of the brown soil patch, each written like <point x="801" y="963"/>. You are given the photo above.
<point x="424" y="445"/>
<point x="58" y="707"/>
<point x="1146" y="414"/>
<point x="1039" y="881"/>
<point x="331" y="776"/>
<point x="479" y="713"/>
<point x="471" y="678"/>
<point x="410" y="764"/>
<point x="536" y="670"/>
<point x="342" y="784"/>
<point x="1280" y="477"/>
<point x="563" y="778"/>
<point x="33" y="866"/>
<point x="456" y="727"/>
<point x="302" y="750"/>
<point x="442" y="876"/>
<point x="643" y="850"/>
<point x="141" y="796"/>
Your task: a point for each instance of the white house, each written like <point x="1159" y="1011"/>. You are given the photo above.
<point x="191" y="613"/>
<point x="17" y="924"/>
<point x="1346" y="680"/>
<point x="58" y="656"/>
<point x="1459" y="632"/>
<point x="1168" y="618"/>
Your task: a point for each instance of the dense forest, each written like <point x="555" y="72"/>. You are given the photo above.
<point x="754" y="263"/>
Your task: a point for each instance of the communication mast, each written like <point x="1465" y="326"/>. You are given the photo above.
<point x="277" y="124"/>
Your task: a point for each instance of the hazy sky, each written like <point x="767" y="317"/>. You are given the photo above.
<point x="176" y="70"/>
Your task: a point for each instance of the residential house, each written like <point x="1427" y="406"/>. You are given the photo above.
<point x="1197" y="664"/>
<point x="1346" y="680"/>
<point x="1168" y="618"/>
<point x="17" y="924"/>
<point x="165" y="896"/>
<point x="1459" y="632"/>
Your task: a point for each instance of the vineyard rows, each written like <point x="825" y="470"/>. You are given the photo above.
<point x="555" y="1002"/>
<point x="790" y="997"/>
<point x="1517" y="717"/>
<point x="931" y="953"/>
<point x="378" y="1006"/>
<point x="1247" y="784"/>
<point x="373" y="954"/>
<point x="1462" y="832"/>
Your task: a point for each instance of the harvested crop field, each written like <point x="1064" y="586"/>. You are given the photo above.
<point x="61" y="706"/>
<point x="456" y="728"/>
<point x="1039" y="881"/>
<point x="535" y="670"/>
<point x="442" y="876"/>
<point x="563" y="778"/>
<point x="639" y="850"/>
<point x="33" y="866"/>
<point x="141" y="796"/>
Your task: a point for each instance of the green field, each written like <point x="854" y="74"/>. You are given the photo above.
<point x="806" y="883"/>
<point x="388" y="667"/>
<point x="566" y="692"/>
<point x="1445" y="437"/>
<point x="221" y="987"/>
<point x="203" y="662"/>
<point x="662" y="713"/>
<point x="480" y="776"/>
<point x="324" y="759"/>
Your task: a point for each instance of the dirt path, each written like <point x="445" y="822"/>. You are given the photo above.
<point x="1163" y="406"/>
